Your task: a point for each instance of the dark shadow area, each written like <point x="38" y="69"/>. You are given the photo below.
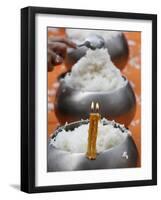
<point x="15" y="186"/>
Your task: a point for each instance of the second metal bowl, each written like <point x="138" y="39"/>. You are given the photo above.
<point x="72" y="104"/>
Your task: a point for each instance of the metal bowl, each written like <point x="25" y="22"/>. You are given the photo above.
<point x="117" y="47"/>
<point x="59" y="160"/>
<point x="73" y="105"/>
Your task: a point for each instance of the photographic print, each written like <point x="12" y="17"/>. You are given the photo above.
<point x="88" y="99"/>
<point x="94" y="99"/>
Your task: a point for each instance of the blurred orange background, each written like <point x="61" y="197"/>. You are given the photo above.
<point x="132" y="71"/>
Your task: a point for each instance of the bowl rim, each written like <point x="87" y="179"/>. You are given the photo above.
<point x="118" y="34"/>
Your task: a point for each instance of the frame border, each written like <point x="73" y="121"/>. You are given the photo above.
<point x="28" y="98"/>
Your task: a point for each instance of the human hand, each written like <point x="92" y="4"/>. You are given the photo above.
<point x="57" y="47"/>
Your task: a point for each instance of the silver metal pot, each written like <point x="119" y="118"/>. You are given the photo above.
<point x="59" y="160"/>
<point x="73" y="105"/>
<point x="117" y="47"/>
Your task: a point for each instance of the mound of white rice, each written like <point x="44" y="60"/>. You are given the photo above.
<point x="79" y="35"/>
<point x="95" y="72"/>
<point x="76" y="141"/>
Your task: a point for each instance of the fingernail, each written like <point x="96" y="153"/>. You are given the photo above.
<point x="58" y="59"/>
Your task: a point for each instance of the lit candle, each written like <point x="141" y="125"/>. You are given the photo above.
<point x="93" y="130"/>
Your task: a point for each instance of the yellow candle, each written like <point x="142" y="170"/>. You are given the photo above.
<point x="92" y="131"/>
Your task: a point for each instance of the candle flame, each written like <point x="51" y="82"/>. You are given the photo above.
<point x="92" y="106"/>
<point x="97" y="106"/>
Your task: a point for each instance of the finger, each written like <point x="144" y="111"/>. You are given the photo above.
<point x="50" y="65"/>
<point x="58" y="60"/>
<point x="53" y="59"/>
<point x="66" y="41"/>
<point x="58" y="48"/>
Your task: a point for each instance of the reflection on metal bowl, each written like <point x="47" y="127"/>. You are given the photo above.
<point x="117" y="48"/>
<point x="59" y="160"/>
<point x="73" y="105"/>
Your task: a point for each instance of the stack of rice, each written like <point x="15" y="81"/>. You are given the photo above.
<point x="76" y="141"/>
<point x="95" y="72"/>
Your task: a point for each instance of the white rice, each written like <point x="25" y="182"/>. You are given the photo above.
<point x="76" y="141"/>
<point x="95" y="72"/>
<point x="79" y="35"/>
